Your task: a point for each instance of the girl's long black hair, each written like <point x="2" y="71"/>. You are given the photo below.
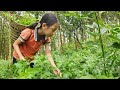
<point x="48" y="18"/>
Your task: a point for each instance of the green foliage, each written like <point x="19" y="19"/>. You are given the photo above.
<point x="116" y="45"/>
<point x="81" y="64"/>
<point x="5" y="69"/>
<point x="25" y="19"/>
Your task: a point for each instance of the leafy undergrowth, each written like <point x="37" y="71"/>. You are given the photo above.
<point x="80" y="64"/>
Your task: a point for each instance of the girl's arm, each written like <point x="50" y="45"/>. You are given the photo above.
<point x="17" y="49"/>
<point x="48" y="54"/>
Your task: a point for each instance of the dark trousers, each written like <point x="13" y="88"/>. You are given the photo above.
<point x="15" y="61"/>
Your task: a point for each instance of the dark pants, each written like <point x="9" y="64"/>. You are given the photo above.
<point x="15" y="61"/>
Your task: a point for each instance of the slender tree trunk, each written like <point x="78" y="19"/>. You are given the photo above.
<point x="64" y="42"/>
<point x="54" y="44"/>
<point x="101" y="41"/>
<point x="75" y="41"/>
<point x="70" y="38"/>
<point x="76" y="35"/>
<point x="61" y="43"/>
<point x="0" y="37"/>
<point x="57" y="35"/>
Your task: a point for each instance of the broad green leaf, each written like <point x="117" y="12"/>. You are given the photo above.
<point x="93" y="34"/>
<point x="95" y="25"/>
<point x="88" y="77"/>
<point x="115" y="38"/>
<point x="89" y="26"/>
<point x="103" y="30"/>
<point x="18" y="65"/>
<point x="101" y="22"/>
<point x="72" y="11"/>
<point x="118" y="35"/>
<point x="117" y="29"/>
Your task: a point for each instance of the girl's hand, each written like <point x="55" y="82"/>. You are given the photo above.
<point x="57" y="72"/>
<point x="22" y="58"/>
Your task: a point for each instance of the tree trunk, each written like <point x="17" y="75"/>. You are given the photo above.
<point x="75" y="41"/>
<point x="61" y="43"/>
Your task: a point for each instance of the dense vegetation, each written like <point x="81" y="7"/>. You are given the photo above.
<point x="86" y="63"/>
<point x="86" y="46"/>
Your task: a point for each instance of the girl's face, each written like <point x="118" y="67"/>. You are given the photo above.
<point x="50" y="31"/>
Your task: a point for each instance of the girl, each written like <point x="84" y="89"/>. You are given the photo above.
<point x="33" y="37"/>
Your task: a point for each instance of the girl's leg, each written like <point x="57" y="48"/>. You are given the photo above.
<point x="32" y="65"/>
<point x="14" y="60"/>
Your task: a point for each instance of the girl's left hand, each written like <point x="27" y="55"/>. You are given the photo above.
<point x="57" y="72"/>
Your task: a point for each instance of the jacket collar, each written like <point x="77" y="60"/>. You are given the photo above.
<point x="37" y="37"/>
